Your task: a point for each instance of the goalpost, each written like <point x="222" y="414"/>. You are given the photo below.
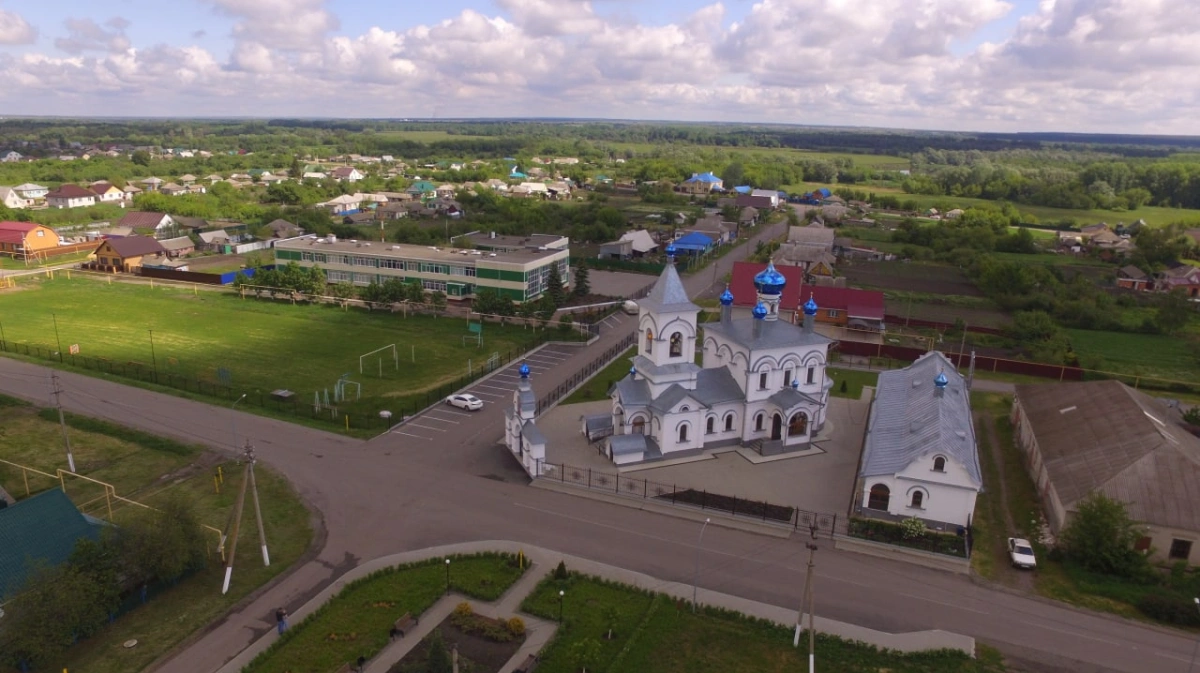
<point x="395" y="358"/>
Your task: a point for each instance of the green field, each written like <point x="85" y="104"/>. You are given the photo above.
<point x="653" y="632"/>
<point x="854" y="379"/>
<point x="263" y="344"/>
<point x="136" y="463"/>
<point x="1152" y="355"/>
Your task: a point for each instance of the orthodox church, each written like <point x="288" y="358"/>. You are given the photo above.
<point x="761" y="382"/>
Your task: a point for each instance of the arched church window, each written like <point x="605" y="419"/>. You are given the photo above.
<point x="758" y="422"/>
<point x="639" y="426"/>
<point x="710" y="425"/>
<point x="676" y="345"/>
<point x="683" y="433"/>
<point x="798" y="425"/>
<point x="728" y="422"/>
<point x="649" y="342"/>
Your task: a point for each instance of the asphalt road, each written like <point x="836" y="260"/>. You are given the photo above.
<point x="397" y="493"/>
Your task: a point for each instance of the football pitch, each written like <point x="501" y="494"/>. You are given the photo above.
<point x="250" y="345"/>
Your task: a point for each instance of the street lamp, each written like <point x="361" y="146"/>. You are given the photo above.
<point x="447" y="577"/>
<point x="1192" y="665"/>
<point x="696" y="571"/>
<point x="233" y="420"/>
<point x="561" y="595"/>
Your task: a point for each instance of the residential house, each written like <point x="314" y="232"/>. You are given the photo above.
<point x="152" y="184"/>
<point x="622" y="249"/>
<point x="702" y="183"/>
<point x="920" y="458"/>
<point x="1132" y="278"/>
<point x="125" y="254"/>
<point x="759" y="202"/>
<point x="107" y="192"/>
<point x="422" y="189"/>
<point x="132" y="190"/>
<point x="393" y="210"/>
<point x="496" y="184"/>
<point x="1181" y="277"/>
<point x="214" y="178"/>
<point x="748" y="216"/>
<point x="1105" y="437"/>
<point x="178" y="247"/>
<point x="446" y="191"/>
<point x="283" y="229"/>
<point x="187" y="179"/>
<point x="343" y="205"/>
<point x="810" y="248"/>
<point x="190" y="225"/>
<point x="143" y="220"/>
<point x="215" y="241"/>
<point x="39" y="531"/>
<point x="11" y="157"/>
<point x="534" y="189"/>
<point x="642" y="243"/>
<point x="361" y="217"/>
<point x="172" y="189"/>
<point x="715" y="228"/>
<point x="839" y="306"/>
<point x="346" y="174"/>
<point x="694" y="243"/>
<point x="70" y="196"/>
<point x="770" y="194"/>
<point x="559" y="190"/>
<point x="31" y="191"/>
<point x="26" y="239"/>
<point x="11" y="199"/>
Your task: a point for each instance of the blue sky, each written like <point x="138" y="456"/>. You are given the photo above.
<point x="1011" y="65"/>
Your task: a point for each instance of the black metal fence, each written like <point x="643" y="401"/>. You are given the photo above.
<point x="589" y="370"/>
<point x="292" y="406"/>
<point x="816" y="523"/>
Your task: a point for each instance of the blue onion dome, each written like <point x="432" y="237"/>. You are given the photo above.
<point x="670" y="250"/>
<point x="524" y="371"/>
<point x="810" y="306"/>
<point x="770" y="281"/>
<point x="941" y="381"/>
<point x="726" y="297"/>
<point x="795" y="383"/>
<point x="760" y="311"/>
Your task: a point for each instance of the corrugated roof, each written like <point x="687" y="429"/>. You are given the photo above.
<point x="43" y="528"/>
<point x="668" y="294"/>
<point x="909" y="420"/>
<point x="135" y="246"/>
<point x="176" y="244"/>
<point x="674" y="394"/>
<point x="141" y="220"/>
<point x="621" y="445"/>
<point x="532" y="434"/>
<point x="1105" y="436"/>
<point x="632" y="393"/>
<point x="775" y="334"/>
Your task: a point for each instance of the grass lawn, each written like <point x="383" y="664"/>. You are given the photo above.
<point x="264" y="344"/>
<point x="597" y="387"/>
<point x="1150" y="355"/>
<point x="135" y="463"/>
<point x="656" y="633"/>
<point x="853" y="379"/>
<point x="1153" y="215"/>
<point x="356" y="622"/>
<point x="12" y="264"/>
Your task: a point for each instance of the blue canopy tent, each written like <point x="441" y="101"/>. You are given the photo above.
<point x="694" y="243"/>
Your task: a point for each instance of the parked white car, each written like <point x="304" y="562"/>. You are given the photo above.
<point x="1020" y="553"/>
<point x="465" y="401"/>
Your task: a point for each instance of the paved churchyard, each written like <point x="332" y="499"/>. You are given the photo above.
<point x="815" y="481"/>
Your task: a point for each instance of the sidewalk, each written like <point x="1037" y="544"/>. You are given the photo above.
<point x="543" y="560"/>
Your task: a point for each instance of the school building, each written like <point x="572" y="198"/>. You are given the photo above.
<point x="519" y="274"/>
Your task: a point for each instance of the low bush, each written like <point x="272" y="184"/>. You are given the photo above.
<point x="1169" y="608"/>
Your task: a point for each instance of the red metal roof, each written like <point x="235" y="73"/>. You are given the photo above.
<point x="855" y="302"/>
<point x="23" y="227"/>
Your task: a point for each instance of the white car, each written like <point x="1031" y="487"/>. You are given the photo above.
<point x="465" y="401"/>
<point x="1020" y="553"/>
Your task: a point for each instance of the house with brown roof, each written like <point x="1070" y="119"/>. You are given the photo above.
<point x="178" y="246"/>
<point x="1181" y="277"/>
<point x="172" y="189"/>
<point x="152" y="184"/>
<point x="1105" y="437"/>
<point x="71" y="196"/>
<point x="283" y="229"/>
<point x="125" y="254"/>
<point x="346" y="174"/>
<point x="23" y="239"/>
<point x="1132" y="278"/>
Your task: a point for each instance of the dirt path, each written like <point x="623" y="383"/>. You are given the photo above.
<point x="1004" y="572"/>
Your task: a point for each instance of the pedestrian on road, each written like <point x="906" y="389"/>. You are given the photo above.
<point x="281" y="620"/>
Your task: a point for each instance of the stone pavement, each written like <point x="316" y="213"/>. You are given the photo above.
<point x="541" y="631"/>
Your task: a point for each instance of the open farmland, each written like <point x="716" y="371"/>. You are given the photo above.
<point x="909" y="277"/>
<point x="251" y="345"/>
<point x="1154" y="355"/>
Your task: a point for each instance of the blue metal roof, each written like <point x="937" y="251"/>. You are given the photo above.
<point x="704" y="177"/>
<point x="694" y="241"/>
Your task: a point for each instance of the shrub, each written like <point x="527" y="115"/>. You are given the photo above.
<point x="845" y="387"/>
<point x="913" y="528"/>
<point x="463" y="609"/>
<point x="1169" y="608"/>
<point x="516" y="626"/>
<point x="560" y="572"/>
<point x="1100" y="537"/>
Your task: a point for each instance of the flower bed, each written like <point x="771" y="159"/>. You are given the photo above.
<point x="891" y="533"/>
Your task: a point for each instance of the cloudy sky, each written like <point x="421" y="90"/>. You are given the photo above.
<point x="1122" y="66"/>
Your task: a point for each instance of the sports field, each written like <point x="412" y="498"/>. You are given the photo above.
<point x="251" y="345"/>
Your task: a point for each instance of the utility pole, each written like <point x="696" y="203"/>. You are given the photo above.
<point x="236" y="516"/>
<point x="262" y="535"/>
<point x="812" y="631"/>
<point x="62" y="421"/>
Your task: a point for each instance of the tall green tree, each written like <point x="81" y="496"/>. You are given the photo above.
<point x="55" y="606"/>
<point x="1100" y="537"/>
<point x="1174" y="312"/>
<point x="582" y="285"/>
<point x="554" y="286"/>
<point x="162" y="546"/>
<point x="438" y="658"/>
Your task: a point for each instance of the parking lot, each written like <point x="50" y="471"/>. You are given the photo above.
<point x="496" y="392"/>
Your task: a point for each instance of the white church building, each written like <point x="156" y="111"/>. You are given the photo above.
<point x="521" y="434"/>
<point x="761" y="382"/>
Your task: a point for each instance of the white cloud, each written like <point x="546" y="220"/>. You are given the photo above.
<point x="1113" y="65"/>
<point x="87" y="35"/>
<point x="14" y="29"/>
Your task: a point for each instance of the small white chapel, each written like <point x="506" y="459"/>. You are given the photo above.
<point x="761" y="383"/>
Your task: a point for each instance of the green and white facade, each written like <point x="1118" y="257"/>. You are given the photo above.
<point x="519" y="275"/>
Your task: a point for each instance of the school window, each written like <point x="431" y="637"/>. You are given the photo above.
<point x="306" y="256"/>
<point x="433" y="285"/>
